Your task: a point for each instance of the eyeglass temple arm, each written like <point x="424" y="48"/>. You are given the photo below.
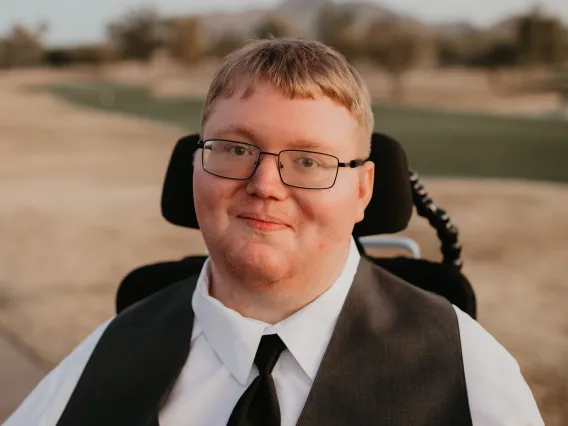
<point x="353" y="163"/>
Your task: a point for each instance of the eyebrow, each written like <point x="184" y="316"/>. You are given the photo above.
<point x="236" y="129"/>
<point x="307" y="145"/>
<point x="251" y="136"/>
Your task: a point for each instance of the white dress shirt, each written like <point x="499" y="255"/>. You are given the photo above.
<point x="221" y="365"/>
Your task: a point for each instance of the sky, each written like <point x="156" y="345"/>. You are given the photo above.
<point x="83" y="21"/>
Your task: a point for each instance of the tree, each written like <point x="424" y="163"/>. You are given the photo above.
<point x="541" y="40"/>
<point x="496" y="55"/>
<point x="273" y="26"/>
<point x="94" y="55"/>
<point x="394" y="49"/>
<point x="337" y="28"/>
<point x="137" y="34"/>
<point x="22" y="47"/>
<point x="226" y="43"/>
<point x="450" y="51"/>
<point x="186" y="42"/>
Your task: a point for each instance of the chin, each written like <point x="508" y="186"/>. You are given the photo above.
<point x="258" y="261"/>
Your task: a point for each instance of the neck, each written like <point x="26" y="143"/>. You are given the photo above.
<point x="272" y="302"/>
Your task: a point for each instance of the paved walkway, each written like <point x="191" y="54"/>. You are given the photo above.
<point x="19" y="374"/>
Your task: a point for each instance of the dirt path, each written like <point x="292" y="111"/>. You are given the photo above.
<point x="79" y="208"/>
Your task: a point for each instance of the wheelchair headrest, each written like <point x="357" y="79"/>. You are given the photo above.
<point x="388" y="212"/>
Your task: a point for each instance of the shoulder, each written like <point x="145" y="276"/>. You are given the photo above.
<point x="393" y="307"/>
<point x="409" y="300"/>
<point x="498" y="394"/>
<point x="143" y="308"/>
<point x="46" y="402"/>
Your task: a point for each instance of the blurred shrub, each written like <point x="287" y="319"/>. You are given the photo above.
<point x="186" y="41"/>
<point x="22" y="47"/>
<point x="471" y="49"/>
<point x="482" y="49"/>
<point x="273" y="26"/>
<point x="395" y="49"/>
<point x="542" y="40"/>
<point x="137" y="34"/>
<point x="225" y="44"/>
<point x="449" y="51"/>
<point x="500" y="54"/>
<point x="79" y="55"/>
<point x="338" y="28"/>
<point x="533" y="40"/>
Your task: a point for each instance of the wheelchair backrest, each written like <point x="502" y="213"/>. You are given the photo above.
<point x="397" y="191"/>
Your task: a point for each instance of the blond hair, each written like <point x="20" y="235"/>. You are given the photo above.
<point x="300" y="69"/>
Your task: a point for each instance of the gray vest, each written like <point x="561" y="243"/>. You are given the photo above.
<point x="394" y="360"/>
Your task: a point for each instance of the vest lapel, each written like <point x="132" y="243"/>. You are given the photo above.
<point x="136" y="362"/>
<point x="394" y="359"/>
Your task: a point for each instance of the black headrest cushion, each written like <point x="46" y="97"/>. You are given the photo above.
<point x="388" y="212"/>
<point x="439" y="278"/>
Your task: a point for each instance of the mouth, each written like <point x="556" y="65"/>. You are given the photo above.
<point x="263" y="222"/>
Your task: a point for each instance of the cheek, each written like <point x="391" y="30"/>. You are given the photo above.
<point x="329" y="215"/>
<point x="212" y="197"/>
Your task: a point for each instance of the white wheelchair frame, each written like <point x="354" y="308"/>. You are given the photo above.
<point x="380" y="241"/>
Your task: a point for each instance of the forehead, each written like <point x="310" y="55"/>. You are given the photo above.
<point x="273" y="121"/>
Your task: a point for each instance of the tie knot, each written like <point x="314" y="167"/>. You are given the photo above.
<point x="270" y="348"/>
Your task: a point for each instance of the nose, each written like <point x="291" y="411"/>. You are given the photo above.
<point x="266" y="182"/>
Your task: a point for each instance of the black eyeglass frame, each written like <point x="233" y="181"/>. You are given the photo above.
<point x="351" y="164"/>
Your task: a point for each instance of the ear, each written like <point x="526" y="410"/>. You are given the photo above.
<point x="366" y="183"/>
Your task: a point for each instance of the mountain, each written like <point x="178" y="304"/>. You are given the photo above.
<point x="301" y="14"/>
<point x="458" y="28"/>
<point x="507" y="28"/>
<point x="241" y="23"/>
<point x="302" y="7"/>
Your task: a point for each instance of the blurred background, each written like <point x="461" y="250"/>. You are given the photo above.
<point x="94" y="95"/>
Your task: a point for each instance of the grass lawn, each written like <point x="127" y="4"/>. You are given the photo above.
<point x="438" y="143"/>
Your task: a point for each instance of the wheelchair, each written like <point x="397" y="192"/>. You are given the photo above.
<point x="397" y="193"/>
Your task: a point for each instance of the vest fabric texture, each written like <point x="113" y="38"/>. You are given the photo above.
<point x="394" y="359"/>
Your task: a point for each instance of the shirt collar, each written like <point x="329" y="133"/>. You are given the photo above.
<point x="235" y="338"/>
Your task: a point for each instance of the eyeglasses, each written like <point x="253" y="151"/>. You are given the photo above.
<point x="297" y="168"/>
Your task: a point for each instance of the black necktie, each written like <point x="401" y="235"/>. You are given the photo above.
<point x="258" y="406"/>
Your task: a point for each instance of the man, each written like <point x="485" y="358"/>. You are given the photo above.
<point x="286" y="324"/>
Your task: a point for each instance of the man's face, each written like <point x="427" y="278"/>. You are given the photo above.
<point x="261" y="229"/>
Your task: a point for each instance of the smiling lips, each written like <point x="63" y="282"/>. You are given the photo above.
<point x="264" y="223"/>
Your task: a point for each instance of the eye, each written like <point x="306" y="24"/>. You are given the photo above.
<point x="238" y="150"/>
<point x="307" y="162"/>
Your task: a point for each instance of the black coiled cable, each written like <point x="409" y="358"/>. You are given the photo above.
<point x="439" y="220"/>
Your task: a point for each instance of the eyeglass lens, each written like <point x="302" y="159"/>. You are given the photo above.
<point x="236" y="160"/>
